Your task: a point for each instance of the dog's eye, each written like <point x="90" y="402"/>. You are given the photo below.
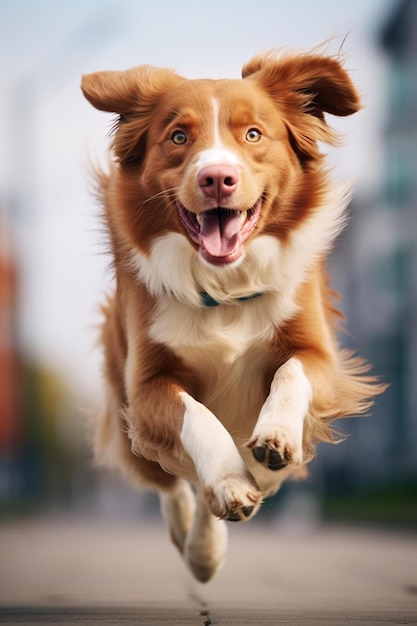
<point x="179" y="137"/>
<point x="253" y="135"/>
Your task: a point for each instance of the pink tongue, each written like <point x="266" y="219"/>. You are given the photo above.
<point x="220" y="232"/>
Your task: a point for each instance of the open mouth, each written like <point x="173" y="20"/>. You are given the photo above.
<point x="221" y="232"/>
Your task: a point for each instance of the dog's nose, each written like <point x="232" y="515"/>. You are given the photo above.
<point x="218" y="181"/>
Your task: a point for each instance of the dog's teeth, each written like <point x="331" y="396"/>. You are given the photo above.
<point x="199" y="218"/>
<point x="242" y="216"/>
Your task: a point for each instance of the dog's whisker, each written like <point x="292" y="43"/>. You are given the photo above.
<point x="164" y="194"/>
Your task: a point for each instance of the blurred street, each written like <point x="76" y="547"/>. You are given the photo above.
<point x="64" y="572"/>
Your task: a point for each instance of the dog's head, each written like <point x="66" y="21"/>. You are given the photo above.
<point x="220" y="161"/>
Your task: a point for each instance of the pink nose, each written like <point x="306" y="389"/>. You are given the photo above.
<point x="218" y="181"/>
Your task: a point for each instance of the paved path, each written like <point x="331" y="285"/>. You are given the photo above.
<point x="65" y="572"/>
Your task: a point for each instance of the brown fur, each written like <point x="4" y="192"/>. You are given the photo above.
<point x="289" y="98"/>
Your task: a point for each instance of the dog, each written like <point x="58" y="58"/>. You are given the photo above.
<point x="221" y="360"/>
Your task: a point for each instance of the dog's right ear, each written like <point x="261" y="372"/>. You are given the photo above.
<point x="132" y="95"/>
<point x="127" y="91"/>
<point x="109" y="91"/>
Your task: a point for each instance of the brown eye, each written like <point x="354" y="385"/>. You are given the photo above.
<point x="253" y="135"/>
<point x="179" y="137"/>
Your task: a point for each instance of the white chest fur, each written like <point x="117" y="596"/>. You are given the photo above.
<point x="226" y="347"/>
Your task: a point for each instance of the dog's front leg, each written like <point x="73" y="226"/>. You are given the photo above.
<point x="167" y="425"/>
<point x="229" y="489"/>
<point x="277" y="439"/>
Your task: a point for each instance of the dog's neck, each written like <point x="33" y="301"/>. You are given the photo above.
<point x="208" y="301"/>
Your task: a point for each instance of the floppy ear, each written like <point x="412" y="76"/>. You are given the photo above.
<point x="110" y="91"/>
<point x="132" y="94"/>
<point x="123" y="92"/>
<point x="323" y="79"/>
<point x="305" y="87"/>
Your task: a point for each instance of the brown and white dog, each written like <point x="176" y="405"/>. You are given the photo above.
<point x="221" y="362"/>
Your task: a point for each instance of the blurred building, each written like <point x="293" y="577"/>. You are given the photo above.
<point x="399" y="42"/>
<point x="36" y="465"/>
<point x="375" y="268"/>
<point x="9" y="425"/>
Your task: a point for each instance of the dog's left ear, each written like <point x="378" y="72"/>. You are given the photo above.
<point x="304" y="87"/>
<point x="321" y="83"/>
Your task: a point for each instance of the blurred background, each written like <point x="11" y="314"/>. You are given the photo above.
<point x="53" y="266"/>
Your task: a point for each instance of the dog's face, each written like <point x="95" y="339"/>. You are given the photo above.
<point x="216" y="159"/>
<point x="222" y="161"/>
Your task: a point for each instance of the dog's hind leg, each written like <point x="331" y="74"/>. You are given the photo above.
<point x="178" y="508"/>
<point x="206" y="544"/>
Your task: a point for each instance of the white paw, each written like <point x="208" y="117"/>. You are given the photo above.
<point x="276" y="446"/>
<point x="178" y="508"/>
<point x="234" y="498"/>
<point x="206" y="546"/>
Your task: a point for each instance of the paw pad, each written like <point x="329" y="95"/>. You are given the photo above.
<point x="238" y="516"/>
<point x="269" y="457"/>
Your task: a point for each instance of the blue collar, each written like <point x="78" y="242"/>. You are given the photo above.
<point x="207" y="300"/>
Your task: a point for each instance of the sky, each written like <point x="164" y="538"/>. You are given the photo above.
<point x="49" y="132"/>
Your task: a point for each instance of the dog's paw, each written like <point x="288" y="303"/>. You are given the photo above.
<point x="275" y="447"/>
<point x="234" y="498"/>
<point x="206" y="545"/>
<point x="178" y="508"/>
